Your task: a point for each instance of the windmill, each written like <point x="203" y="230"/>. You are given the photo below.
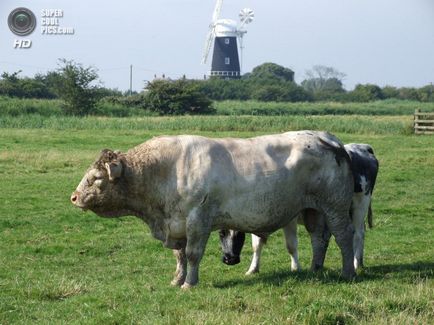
<point x="226" y="33"/>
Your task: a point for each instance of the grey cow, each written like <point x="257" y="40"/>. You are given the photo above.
<point x="184" y="187"/>
<point x="364" y="166"/>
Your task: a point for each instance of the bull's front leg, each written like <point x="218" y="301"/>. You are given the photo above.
<point x="181" y="267"/>
<point x="198" y="231"/>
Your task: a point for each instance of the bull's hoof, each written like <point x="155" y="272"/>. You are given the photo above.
<point x="251" y="272"/>
<point x="349" y="276"/>
<point x="187" y="286"/>
<point x="177" y="282"/>
<point x="316" y="267"/>
<point x="295" y="268"/>
<point x="358" y="264"/>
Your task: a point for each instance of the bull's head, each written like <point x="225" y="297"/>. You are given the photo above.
<point x="100" y="190"/>
<point x="232" y="243"/>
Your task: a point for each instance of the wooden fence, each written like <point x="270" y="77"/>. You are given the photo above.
<point x="423" y="122"/>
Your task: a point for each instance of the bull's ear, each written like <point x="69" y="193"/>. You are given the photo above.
<point x="108" y="155"/>
<point x="114" y="169"/>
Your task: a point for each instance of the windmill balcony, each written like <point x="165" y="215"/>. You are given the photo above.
<point x="231" y="74"/>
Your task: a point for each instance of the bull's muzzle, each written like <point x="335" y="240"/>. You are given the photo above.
<point x="74" y="198"/>
<point x="231" y="259"/>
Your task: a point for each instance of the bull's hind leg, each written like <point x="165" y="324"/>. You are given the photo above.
<point x="319" y="237"/>
<point x="290" y="233"/>
<point x="198" y="231"/>
<point x="181" y="267"/>
<point x="343" y="230"/>
<point x="257" y="244"/>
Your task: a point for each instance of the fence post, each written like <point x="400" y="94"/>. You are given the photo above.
<point x="416" y="118"/>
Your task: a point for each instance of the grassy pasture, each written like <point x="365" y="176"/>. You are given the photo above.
<point x="60" y="265"/>
<point x="13" y="107"/>
<point x="265" y="124"/>
<point x="383" y="107"/>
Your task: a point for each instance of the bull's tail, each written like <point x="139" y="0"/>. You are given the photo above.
<point x="337" y="148"/>
<point x="370" y="223"/>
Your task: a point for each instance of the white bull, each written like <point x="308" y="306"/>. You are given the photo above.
<point x="364" y="166"/>
<point x="184" y="187"/>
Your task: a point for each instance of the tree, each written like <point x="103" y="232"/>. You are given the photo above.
<point x="366" y="93"/>
<point x="390" y="92"/>
<point x="271" y="72"/>
<point x="168" y="97"/>
<point x="324" y="82"/>
<point x="76" y="89"/>
<point x="426" y="93"/>
<point x="407" y="93"/>
<point x="14" y="86"/>
<point x="10" y="84"/>
<point x="51" y="81"/>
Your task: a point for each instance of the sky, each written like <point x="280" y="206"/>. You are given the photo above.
<point x="385" y="42"/>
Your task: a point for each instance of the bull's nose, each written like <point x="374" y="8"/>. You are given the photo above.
<point x="231" y="260"/>
<point x="74" y="198"/>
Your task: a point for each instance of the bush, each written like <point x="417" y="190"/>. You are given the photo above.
<point x="220" y="89"/>
<point x="365" y="93"/>
<point x="107" y="108"/>
<point x="426" y="94"/>
<point x="281" y="92"/>
<point x="135" y="101"/>
<point x="178" y="97"/>
<point x="76" y="89"/>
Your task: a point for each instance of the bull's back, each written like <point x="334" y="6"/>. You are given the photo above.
<point x="265" y="178"/>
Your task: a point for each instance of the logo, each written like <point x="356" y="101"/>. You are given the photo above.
<point x="22" y="21"/>
<point x="22" y="44"/>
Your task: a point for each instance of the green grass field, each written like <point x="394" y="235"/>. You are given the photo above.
<point x="59" y="265"/>
<point x="13" y="107"/>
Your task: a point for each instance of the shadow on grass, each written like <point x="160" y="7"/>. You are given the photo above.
<point x="277" y="278"/>
<point x="423" y="269"/>
<point x="404" y="272"/>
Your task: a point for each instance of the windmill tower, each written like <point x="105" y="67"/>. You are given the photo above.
<point x="226" y="35"/>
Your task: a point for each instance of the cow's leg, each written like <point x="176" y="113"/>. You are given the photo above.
<point x="290" y="232"/>
<point x="359" y="210"/>
<point x="257" y="244"/>
<point x="343" y="230"/>
<point x="181" y="267"/>
<point x="319" y="237"/>
<point x="198" y="231"/>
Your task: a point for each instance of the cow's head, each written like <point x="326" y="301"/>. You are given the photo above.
<point x="232" y="243"/>
<point x="100" y="190"/>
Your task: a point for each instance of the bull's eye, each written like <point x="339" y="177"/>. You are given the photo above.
<point x="95" y="178"/>
<point x="98" y="182"/>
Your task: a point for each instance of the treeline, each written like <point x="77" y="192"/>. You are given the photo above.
<point x="81" y="93"/>
<point x="41" y="86"/>
<point x="271" y="82"/>
<point x="266" y="82"/>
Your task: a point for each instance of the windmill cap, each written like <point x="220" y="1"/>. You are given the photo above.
<point x="226" y="27"/>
